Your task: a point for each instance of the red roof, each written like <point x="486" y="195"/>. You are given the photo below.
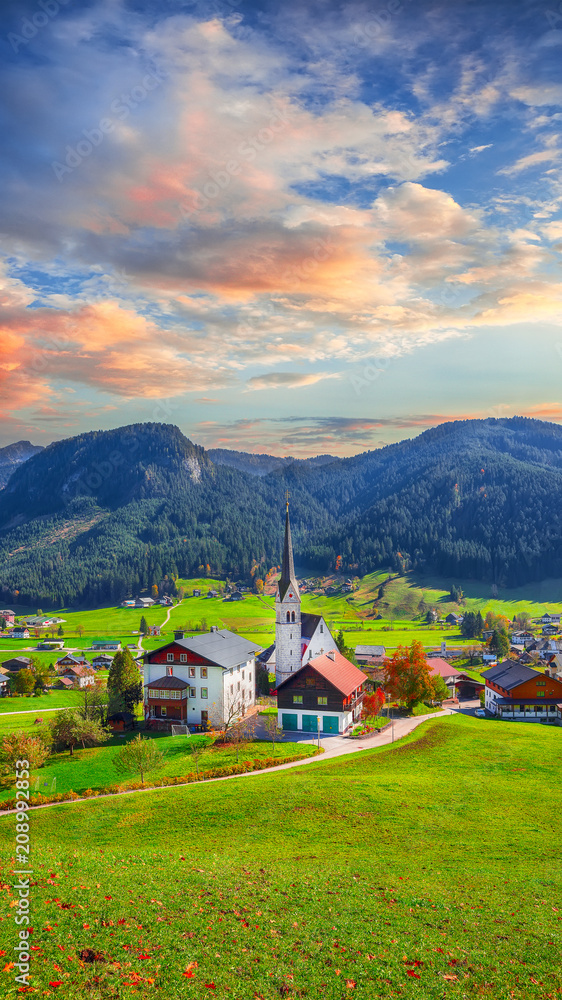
<point x="338" y="671"/>
<point x="439" y="666"/>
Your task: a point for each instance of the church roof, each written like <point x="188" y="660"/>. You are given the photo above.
<point x="288" y="579"/>
<point x="309" y="624"/>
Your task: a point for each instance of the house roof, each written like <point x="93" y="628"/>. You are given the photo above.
<point x="309" y="624"/>
<point x="441" y="667"/>
<point x="528" y="701"/>
<point x="121" y="717"/>
<point x="509" y="674"/>
<point x="66" y="681"/>
<point x="223" y="648"/>
<point x="267" y="655"/>
<point x="370" y="651"/>
<point x="168" y="684"/>
<point x="335" y="669"/>
<point x="17" y="663"/>
<point x="80" y="671"/>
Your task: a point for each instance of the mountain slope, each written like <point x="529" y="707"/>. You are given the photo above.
<point x="98" y="516"/>
<point x="13" y="455"/>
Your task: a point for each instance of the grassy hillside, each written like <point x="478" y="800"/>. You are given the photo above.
<point x="365" y="877"/>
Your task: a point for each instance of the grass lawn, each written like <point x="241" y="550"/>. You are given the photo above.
<point x="362" y="877"/>
<point x="55" y="699"/>
<point x="93" y="767"/>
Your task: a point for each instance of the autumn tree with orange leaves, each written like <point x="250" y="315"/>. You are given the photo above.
<point x="408" y="675"/>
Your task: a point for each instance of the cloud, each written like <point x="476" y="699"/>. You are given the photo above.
<point x="531" y="160"/>
<point x="480" y="149"/>
<point x="288" y="380"/>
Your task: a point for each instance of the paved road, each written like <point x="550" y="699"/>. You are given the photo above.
<point x="38" y="712"/>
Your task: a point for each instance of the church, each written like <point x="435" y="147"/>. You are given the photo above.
<point x="317" y="687"/>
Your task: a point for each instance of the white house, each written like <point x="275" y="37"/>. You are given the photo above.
<point x="200" y="680"/>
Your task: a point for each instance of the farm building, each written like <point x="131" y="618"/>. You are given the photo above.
<point x="519" y="693"/>
<point x="327" y="691"/>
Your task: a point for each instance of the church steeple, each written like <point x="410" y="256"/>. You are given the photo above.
<point x="288" y="654"/>
<point x="287" y="579"/>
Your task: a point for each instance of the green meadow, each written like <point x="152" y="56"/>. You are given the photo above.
<point x="427" y="869"/>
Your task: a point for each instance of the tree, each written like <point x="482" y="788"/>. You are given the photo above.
<point x="138" y="755"/>
<point x="440" y="689"/>
<point x="80" y="630"/>
<point x="495" y="621"/>
<point x="24" y="681"/>
<point x="499" y="643"/>
<point x="143" y="627"/>
<point x="431" y="616"/>
<point x="41" y="672"/>
<point x="522" y="619"/>
<point x="22" y="746"/>
<point x="273" y="730"/>
<point x="408" y="676"/>
<point x="95" y="704"/>
<point x="71" y="727"/>
<point x="60" y="631"/>
<point x="373" y="703"/>
<point x="259" y="585"/>
<point x="225" y="712"/>
<point x="3" y="622"/>
<point x="154" y="591"/>
<point x="90" y="732"/>
<point x="474" y="653"/>
<point x="123" y="681"/>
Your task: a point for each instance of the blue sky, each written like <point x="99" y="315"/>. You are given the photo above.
<point x="282" y="229"/>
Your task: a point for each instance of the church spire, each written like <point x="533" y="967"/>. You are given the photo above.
<point x="287" y="579"/>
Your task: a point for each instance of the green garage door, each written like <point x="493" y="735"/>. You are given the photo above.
<point x="310" y="723"/>
<point x="289" y="722"/>
<point x="330" y="724"/>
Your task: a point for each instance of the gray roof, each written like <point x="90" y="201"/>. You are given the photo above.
<point x="224" y="648"/>
<point x="370" y="651"/>
<point x="510" y="674"/>
<point x="309" y="624"/>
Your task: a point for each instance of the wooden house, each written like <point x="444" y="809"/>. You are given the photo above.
<point x="327" y="691"/>
<point x="519" y="693"/>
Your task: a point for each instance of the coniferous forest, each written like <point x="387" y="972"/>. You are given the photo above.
<point x="97" y="517"/>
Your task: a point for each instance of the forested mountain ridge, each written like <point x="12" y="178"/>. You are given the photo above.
<point x="98" y="516"/>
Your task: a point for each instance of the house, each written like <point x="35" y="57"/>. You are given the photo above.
<point x="128" y="604"/>
<point x="9" y="616"/>
<point x="102" y="662"/>
<point x="17" y="663"/>
<point x="460" y="684"/>
<point x="111" y="644"/>
<point x="166" y="601"/>
<point x="119" y="722"/>
<point x="236" y="595"/>
<point x="200" y="679"/>
<point x="4" y="684"/>
<point x="370" y="655"/>
<point x="64" y="683"/>
<point x="522" y="638"/>
<point x="327" y="692"/>
<point x="545" y="647"/>
<point x="453" y="619"/>
<point x="212" y="593"/>
<point x="489" y="657"/>
<point x="80" y="676"/>
<point x="19" y="632"/>
<point x="70" y="660"/>
<point x="330" y="591"/>
<point x="154" y="629"/>
<point x="487" y="633"/>
<point x="51" y="644"/>
<point x="550" y="619"/>
<point x="197" y="593"/>
<point x="550" y="629"/>
<point x="516" y="692"/>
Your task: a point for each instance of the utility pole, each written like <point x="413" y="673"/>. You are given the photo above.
<point x="318" y="722"/>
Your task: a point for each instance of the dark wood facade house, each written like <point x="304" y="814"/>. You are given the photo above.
<point x="517" y="692"/>
<point x="327" y="688"/>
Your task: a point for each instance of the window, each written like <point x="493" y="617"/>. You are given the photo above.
<point x="238" y="688"/>
<point x="321" y="626"/>
<point x="539" y="683"/>
<point x="183" y="657"/>
<point x="204" y="692"/>
<point x="192" y="693"/>
<point x="169" y="671"/>
<point x="163" y="711"/>
<point x="297" y="699"/>
<point x="174" y="695"/>
<point x="184" y="693"/>
<point x="203" y="671"/>
<point x="164" y="694"/>
<point x="322" y="700"/>
<point x="153" y="694"/>
<point x="170" y="657"/>
<point x="292" y="616"/>
<point x="192" y="671"/>
<point x="232" y="688"/>
<point x="249" y="677"/>
<point x="288" y="616"/>
<point x="540" y="694"/>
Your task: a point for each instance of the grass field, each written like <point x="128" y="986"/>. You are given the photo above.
<point x="55" y="699"/>
<point x="93" y="768"/>
<point x="390" y="873"/>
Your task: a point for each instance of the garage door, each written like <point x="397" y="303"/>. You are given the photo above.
<point x="310" y="723"/>
<point x="289" y="722"/>
<point x="330" y="724"/>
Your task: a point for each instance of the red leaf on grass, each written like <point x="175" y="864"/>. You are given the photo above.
<point x="209" y="986"/>
<point x="57" y="983"/>
<point x="351" y="984"/>
<point x="414" y="975"/>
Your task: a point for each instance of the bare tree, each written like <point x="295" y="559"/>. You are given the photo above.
<point x="226" y="712"/>
<point x="273" y="730"/>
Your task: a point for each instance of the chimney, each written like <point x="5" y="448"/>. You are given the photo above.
<point x="179" y="635"/>
<point x="214" y="628"/>
<point x="332" y="654"/>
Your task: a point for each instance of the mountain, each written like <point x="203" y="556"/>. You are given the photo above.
<point x="98" y="516"/>
<point x="13" y="455"/>
<point x="261" y="465"/>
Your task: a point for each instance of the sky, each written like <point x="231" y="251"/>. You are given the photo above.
<point x="286" y="228"/>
